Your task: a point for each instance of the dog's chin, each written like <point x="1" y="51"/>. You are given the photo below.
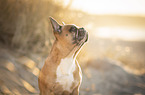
<point x="86" y="37"/>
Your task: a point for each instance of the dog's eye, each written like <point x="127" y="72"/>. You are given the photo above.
<point x="66" y="34"/>
<point x="73" y="29"/>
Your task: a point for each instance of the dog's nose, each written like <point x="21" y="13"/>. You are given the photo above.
<point x="81" y="29"/>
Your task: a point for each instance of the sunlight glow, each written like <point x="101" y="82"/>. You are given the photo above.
<point x="28" y="86"/>
<point x="10" y="66"/>
<point x="36" y="71"/>
<point x="5" y="90"/>
<point x="121" y="7"/>
<point x="128" y="34"/>
<point x="30" y="64"/>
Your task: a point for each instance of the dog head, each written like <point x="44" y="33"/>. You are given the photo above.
<point x="69" y="35"/>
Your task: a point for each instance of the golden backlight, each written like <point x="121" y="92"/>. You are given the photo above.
<point x="112" y="60"/>
<point x="121" y="22"/>
<point x="120" y="7"/>
<point x="112" y="7"/>
<point x="127" y="34"/>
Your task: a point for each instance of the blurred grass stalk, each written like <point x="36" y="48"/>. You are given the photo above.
<point x="25" y="25"/>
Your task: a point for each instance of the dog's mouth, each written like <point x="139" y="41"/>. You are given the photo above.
<point x="81" y="36"/>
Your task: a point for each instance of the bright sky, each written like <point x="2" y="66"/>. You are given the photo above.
<point x="121" y="7"/>
<point x="128" y="34"/>
<point x="113" y="7"/>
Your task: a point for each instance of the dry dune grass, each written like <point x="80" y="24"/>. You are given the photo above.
<point x="24" y="24"/>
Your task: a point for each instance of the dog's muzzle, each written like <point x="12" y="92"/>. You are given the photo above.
<point x="81" y="33"/>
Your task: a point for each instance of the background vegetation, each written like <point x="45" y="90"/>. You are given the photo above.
<point x="111" y="65"/>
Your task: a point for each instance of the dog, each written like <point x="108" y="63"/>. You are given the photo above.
<point x="61" y="73"/>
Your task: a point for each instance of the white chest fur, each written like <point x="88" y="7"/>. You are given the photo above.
<point x="65" y="73"/>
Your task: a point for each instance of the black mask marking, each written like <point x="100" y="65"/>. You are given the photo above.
<point x="73" y="29"/>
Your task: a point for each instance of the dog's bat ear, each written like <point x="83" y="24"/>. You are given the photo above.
<point x="55" y="25"/>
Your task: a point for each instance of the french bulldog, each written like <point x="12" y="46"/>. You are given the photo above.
<point x="61" y="73"/>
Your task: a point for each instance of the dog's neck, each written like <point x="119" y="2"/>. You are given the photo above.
<point x="62" y="52"/>
<point x="64" y="59"/>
